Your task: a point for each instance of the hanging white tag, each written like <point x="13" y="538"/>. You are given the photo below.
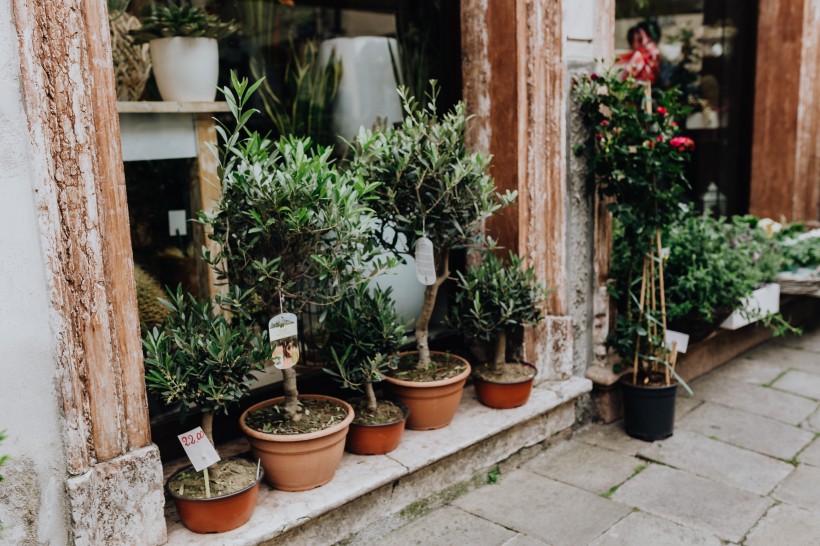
<point x="680" y="338"/>
<point x="425" y="262"/>
<point x="198" y="449"/>
<point x="284" y="338"/>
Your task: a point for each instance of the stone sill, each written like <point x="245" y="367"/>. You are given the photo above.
<point x="278" y="512"/>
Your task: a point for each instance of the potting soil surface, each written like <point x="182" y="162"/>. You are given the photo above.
<point x="386" y="412"/>
<point x="229" y="476"/>
<point x="441" y="367"/>
<point x="315" y="415"/>
<point x="511" y="372"/>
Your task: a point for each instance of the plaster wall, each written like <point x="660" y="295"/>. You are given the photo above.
<point x="32" y="508"/>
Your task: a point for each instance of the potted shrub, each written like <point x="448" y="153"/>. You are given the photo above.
<point x="493" y="301"/>
<point x="183" y="41"/>
<point x="433" y="196"/>
<point x="638" y="157"/>
<point x="364" y="336"/>
<point x="199" y="359"/>
<point x="292" y="232"/>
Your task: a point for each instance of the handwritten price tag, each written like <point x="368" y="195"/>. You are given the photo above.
<point x="680" y="340"/>
<point x="198" y="449"/>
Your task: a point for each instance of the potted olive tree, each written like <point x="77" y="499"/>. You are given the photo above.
<point x="184" y="46"/>
<point x="364" y="336"/>
<point x="638" y="158"/>
<point x="494" y="300"/>
<point x="199" y="359"/>
<point x="293" y="232"/>
<point x="433" y="196"/>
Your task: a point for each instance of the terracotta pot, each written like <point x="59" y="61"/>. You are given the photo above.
<point x="432" y="404"/>
<point x="504" y="395"/>
<point x="298" y="462"/>
<point x="376" y="439"/>
<point x="217" y="514"/>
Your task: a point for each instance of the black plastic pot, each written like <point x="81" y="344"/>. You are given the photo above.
<point x="649" y="412"/>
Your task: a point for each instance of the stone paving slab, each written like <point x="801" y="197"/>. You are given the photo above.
<point x="801" y="488"/>
<point x="693" y="501"/>
<point x="799" y="359"/>
<point x="640" y="528"/>
<point x="782" y="406"/>
<point x="684" y="404"/>
<point x="811" y="455"/>
<point x="550" y="511"/>
<point x="800" y="382"/>
<point x="447" y="526"/>
<point x="809" y="341"/>
<point x="610" y="437"/>
<point x="748" y="431"/>
<point x="589" y="467"/>
<point x="719" y="461"/>
<point x="788" y="525"/>
<point x="813" y="422"/>
<point x="743" y="369"/>
<point x="524" y="540"/>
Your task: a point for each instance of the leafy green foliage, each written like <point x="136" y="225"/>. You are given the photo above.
<point x="289" y="225"/>
<point x="801" y="253"/>
<point x="428" y="181"/>
<point x="200" y="358"/>
<point x="496" y="297"/>
<point x="169" y="20"/>
<point x="364" y="336"/>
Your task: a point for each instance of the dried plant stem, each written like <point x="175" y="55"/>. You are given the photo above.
<point x="640" y="318"/>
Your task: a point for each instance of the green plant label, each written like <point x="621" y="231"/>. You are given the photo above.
<point x="198" y="449"/>
<point x="425" y="262"/>
<point x="284" y="338"/>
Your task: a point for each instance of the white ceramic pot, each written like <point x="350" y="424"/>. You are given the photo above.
<point x="186" y="69"/>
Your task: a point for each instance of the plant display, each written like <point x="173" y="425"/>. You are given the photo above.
<point x="364" y="337"/>
<point x="493" y="300"/>
<point x="199" y="358"/>
<point x="803" y="252"/>
<point x="169" y="20"/>
<point x="430" y="187"/>
<point x="637" y="157"/>
<point x="151" y="311"/>
<point x="132" y="63"/>
<point x="292" y="230"/>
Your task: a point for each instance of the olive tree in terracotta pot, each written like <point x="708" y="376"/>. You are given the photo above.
<point x="364" y="336"/>
<point x="199" y="358"/>
<point x="293" y="232"/>
<point x="494" y="300"/>
<point x="433" y="196"/>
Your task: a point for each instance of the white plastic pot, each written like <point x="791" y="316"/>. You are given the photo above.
<point x="186" y="69"/>
<point x="763" y="302"/>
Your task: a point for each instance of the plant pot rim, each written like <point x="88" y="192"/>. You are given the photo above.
<point x="477" y="378"/>
<point x="296" y="437"/>
<point x="626" y="379"/>
<point x="431" y="384"/>
<point x="219" y="497"/>
<point x="401" y="405"/>
<point x="182" y="37"/>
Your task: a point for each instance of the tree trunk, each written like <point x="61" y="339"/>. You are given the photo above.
<point x="426" y="313"/>
<point x="208" y="429"/>
<point x="500" y="350"/>
<point x="372" y="404"/>
<point x="292" y="406"/>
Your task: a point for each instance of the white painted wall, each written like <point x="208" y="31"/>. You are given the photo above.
<point x="28" y="398"/>
<point x="579" y="29"/>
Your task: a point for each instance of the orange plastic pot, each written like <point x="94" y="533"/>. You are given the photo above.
<point x="432" y="404"/>
<point x="217" y="514"/>
<point x="504" y="395"/>
<point x="298" y="462"/>
<point x="375" y="439"/>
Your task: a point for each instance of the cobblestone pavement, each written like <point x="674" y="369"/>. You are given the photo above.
<point x="743" y="467"/>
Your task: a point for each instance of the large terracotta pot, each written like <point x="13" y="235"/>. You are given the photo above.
<point x="432" y="404"/>
<point x="504" y="395"/>
<point x="217" y="514"/>
<point x="376" y="439"/>
<point x="298" y="462"/>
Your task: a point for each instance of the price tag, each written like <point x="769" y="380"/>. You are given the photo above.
<point x="284" y="338"/>
<point x="679" y="337"/>
<point x="425" y="262"/>
<point x="198" y="449"/>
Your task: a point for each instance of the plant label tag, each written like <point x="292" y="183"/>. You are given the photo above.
<point x="177" y="223"/>
<point x="425" y="262"/>
<point x="198" y="449"/>
<point x="284" y="338"/>
<point x="679" y="337"/>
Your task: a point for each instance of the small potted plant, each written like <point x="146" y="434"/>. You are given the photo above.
<point x="184" y="45"/>
<point x="493" y="300"/>
<point x="292" y="232"/>
<point x="433" y="196"/>
<point x="199" y="359"/>
<point x="364" y="336"/>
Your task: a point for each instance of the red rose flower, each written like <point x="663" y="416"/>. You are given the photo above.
<point x="662" y="110"/>
<point x="599" y="136"/>
<point x="660" y="138"/>
<point x="604" y="123"/>
<point x="673" y="123"/>
<point x="593" y="76"/>
<point x="682" y="144"/>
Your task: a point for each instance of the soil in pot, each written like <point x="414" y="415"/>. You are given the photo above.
<point x="504" y="387"/>
<point x="649" y="408"/>
<point x="318" y="415"/>
<point x="234" y="492"/>
<point x="442" y="366"/>
<point x="376" y="432"/>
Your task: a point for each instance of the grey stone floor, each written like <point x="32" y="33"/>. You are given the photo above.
<point x="743" y="467"/>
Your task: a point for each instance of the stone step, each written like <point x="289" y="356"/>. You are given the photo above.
<point x="370" y="496"/>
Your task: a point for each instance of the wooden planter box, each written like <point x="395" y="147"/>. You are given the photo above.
<point x="763" y="301"/>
